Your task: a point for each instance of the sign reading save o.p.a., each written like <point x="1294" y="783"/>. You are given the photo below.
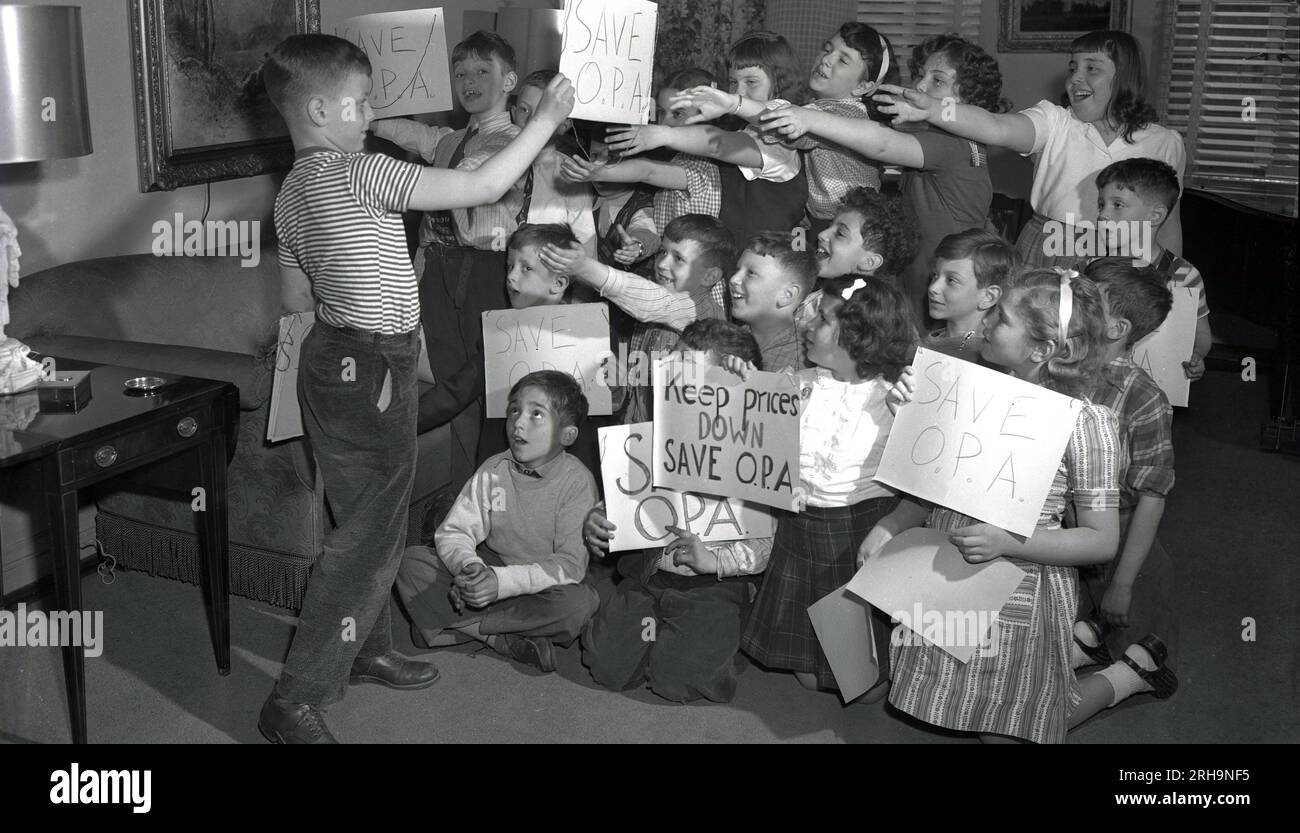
<point x="608" y="52"/>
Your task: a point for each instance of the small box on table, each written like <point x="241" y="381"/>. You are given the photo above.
<point x="68" y="392"/>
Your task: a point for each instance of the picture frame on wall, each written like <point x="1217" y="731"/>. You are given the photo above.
<point x="1050" y="25"/>
<point x="202" y="114"/>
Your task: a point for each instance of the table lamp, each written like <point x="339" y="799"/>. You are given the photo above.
<point x="43" y="85"/>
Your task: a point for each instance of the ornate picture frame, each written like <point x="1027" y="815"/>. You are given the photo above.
<point x="1050" y="25"/>
<point x="202" y="114"/>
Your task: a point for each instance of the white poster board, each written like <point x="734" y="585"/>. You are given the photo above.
<point x="571" y="338"/>
<point x="284" y="422"/>
<point x="716" y="434"/>
<point x="922" y="582"/>
<point x="608" y="52"/>
<point x="643" y="512"/>
<point x="1162" y="353"/>
<point x="844" y="628"/>
<point x="978" y="441"/>
<point x="408" y="60"/>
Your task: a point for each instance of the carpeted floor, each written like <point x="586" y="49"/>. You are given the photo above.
<point x="1231" y="527"/>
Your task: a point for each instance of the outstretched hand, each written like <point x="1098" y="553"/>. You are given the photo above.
<point x="629" y="141"/>
<point x="906" y="105"/>
<point x="710" y="101"/>
<point x="573" y="169"/>
<point x="789" y="122"/>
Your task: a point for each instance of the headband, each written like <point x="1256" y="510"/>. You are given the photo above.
<point x="1066" y="308"/>
<point x="847" y="292"/>
<point x="884" y="60"/>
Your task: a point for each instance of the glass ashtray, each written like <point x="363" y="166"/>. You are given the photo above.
<point x="144" y="385"/>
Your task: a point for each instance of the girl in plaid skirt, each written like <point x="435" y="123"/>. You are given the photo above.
<point x="864" y="334"/>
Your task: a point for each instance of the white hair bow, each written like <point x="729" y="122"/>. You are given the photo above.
<point x="1066" y="308"/>
<point x="847" y="292"/>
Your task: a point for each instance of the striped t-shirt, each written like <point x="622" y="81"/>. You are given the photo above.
<point x="338" y="219"/>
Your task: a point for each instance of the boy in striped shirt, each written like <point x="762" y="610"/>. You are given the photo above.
<point x="343" y="254"/>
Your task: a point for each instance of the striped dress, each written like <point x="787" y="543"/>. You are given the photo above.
<point x="1025" y="688"/>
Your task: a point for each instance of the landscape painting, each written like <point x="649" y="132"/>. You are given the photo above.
<point x="1050" y="25"/>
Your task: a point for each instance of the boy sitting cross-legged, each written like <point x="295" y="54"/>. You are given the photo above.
<point x="509" y="557"/>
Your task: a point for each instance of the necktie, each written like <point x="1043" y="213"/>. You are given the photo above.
<point x="444" y="227"/>
<point x="522" y="216"/>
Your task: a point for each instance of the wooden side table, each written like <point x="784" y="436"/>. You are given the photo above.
<point x="116" y="433"/>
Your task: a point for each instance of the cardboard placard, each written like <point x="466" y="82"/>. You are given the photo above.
<point x="843" y="627"/>
<point x="608" y="52"/>
<point x="921" y="580"/>
<point x="716" y="434"/>
<point x="408" y="60"/>
<point x="643" y="512"/>
<point x="978" y="441"/>
<point x="284" y="421"/>
<point x="1162" y="353"/>
<point x="572" y="338"/>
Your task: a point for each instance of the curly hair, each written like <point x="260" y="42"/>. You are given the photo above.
<point x="979" y="79"/>
<point x="771" y="53"/>
<point x="565" y="394"/>
<point x="993" y="259"/>
<point x="1137" y="294"/>
<point x="888" y="227"/>
<point x="1074" y="365"/>
<point x="798" y="264"/>
<point x="1128" y="105"/>
<point x="877" y="325"/>
<point x="726" y="338"/>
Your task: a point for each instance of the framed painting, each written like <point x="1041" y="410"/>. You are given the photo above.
<point x="202" y="113"/>
<point x="1050" y="25"/>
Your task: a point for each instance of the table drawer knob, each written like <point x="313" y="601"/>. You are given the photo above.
<point x="187" y="427"/>
<point x="105" y="456"/>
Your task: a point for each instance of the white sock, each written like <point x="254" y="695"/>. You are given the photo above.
<point x="1085" y="634"/>
<point x="1124" y="680"/>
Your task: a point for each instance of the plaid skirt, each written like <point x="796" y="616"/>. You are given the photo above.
<point x="814" y="553"/>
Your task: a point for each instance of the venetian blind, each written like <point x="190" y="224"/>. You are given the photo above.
<point x="1224" y="57"/>
<point x="908" y="22"/>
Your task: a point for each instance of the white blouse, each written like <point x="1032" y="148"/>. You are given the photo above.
<point x="842" y="433"/>
<point x="1068" y="155"/>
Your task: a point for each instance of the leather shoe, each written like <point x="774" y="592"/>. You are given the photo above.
<point x="538" y="652"/>
<point x="393" y="670"/>
<point x="285" y="722"/>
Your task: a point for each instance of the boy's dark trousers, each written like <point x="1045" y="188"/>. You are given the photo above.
<point x="458" y="286"/>
<point x="366" y="457"/>
<point x="557" y="613"/>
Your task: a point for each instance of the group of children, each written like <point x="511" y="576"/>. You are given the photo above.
<point x="745" y="230"/>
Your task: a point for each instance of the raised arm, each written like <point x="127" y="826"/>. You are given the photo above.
<point x="874" y="141"/>
<point x="738" y="148"/>
<point x="439" y="189"/>
<point x="1008" y="130"/>
<point x="658" y="174"/>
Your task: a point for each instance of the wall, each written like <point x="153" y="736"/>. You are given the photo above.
<point x="1029" y="77"/>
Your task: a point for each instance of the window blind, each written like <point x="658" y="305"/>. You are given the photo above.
<point x="1232" y="86"/>
<point x="908" y="22"/>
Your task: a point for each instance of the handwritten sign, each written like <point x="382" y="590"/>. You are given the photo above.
<point x="717" y="435"/>
<point x="284" y="422"/>
<point x="922" y="581"/>
<point x="643" y="512"/>
<point x="408" y="60"/>
<point x="608" y="51"/>
<point x="978" y="441"/>
<point x="1162" y="353"/>
<point x="572" y="338"/>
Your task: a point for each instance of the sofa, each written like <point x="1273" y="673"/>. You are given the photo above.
<point x="211" y="318"/>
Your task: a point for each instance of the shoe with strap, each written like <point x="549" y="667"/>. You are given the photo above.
<point x="285" y="722"/>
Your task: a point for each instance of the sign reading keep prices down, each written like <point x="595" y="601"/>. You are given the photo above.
<point x="408" y="60"/>
<point x="571" y="338"/>
<point x="978" y="441"/>
<point x="608" y="52"/>
<point x="717" y="435"/>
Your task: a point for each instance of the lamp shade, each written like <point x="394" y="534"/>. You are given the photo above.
<point x="42" y="84"/>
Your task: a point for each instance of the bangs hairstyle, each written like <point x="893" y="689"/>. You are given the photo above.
<point x="1150" y="179"/>
<point x="485" y="46"/>
<point x="717" y="245"/>
<point x="877" y="325"/>
<point x="692" y="77"/>
<point x="888" y="227"/>
<point x="979" y="79"/>
<point x="1128" y="106"/>
<point x="771" y="53"/>
<point x="1073" y="366"/>
<point x="1137" y="294"/>
<point x="562" y="390"/>
<point x="798" y="266"/>
<point x="872" y="45"/>
<point x="992" y="258"/>
<point x="725" y="338"/>
<point x="301" y="66"/>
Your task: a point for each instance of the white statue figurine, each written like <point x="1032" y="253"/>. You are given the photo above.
<point x="17" y="370"/>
